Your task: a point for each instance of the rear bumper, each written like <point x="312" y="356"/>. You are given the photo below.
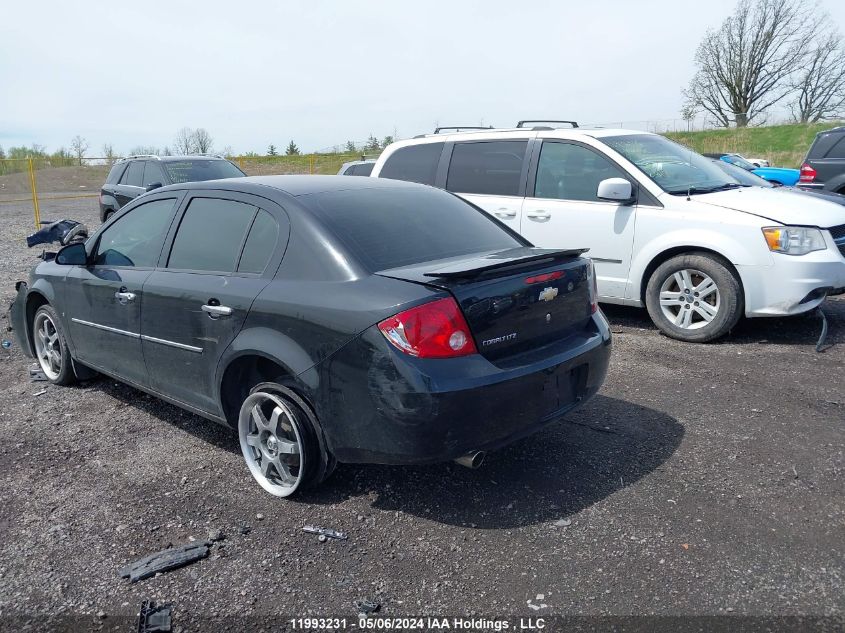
<point x="792" y="284"/>
<point x="384" y="407"/>
<point x="17" y="319"/>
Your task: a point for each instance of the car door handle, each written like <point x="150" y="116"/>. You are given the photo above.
<point x="504" y="212"/>
<point x="540" y="216"/>
<point x="124" y="297"/>
<point x="214" y="312"/>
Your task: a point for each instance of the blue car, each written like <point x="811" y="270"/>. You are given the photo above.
<point x="775" y="175"/>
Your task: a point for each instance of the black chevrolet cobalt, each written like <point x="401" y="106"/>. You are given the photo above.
<point x="328" y="319"/>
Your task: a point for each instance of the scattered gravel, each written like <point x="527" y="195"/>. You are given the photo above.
<point x="703" y="479"/>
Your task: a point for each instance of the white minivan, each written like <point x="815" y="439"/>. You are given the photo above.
<point x="666" y="228"/>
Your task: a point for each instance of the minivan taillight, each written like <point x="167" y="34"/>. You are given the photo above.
<point x="432" y="330"/>
<point x="808" y="174"/>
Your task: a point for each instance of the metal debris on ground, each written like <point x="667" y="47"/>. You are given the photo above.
<point x="36" y="374"/>
<point x="367" y="606"/>
<point x="164" y="561"/>
<point x="154" y="619"/>
<point x="40" y="393"/>
<point x="823" y="336"/>
<point x="327" y="532"/>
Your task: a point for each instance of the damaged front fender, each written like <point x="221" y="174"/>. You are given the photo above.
<point x="17" y="319"/>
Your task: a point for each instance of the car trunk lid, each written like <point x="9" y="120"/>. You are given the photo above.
<point x="513" y="300"/>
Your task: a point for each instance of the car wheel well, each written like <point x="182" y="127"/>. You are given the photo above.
<point x="683" y="250"/>
<point x="33" y="302"/>
<point x="241" y="376"/>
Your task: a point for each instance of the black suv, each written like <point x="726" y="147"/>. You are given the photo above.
<point x="132" y="176"/>
<point x="824" y="166"/>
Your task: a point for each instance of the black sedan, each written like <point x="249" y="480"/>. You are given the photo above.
<point x="326" y="318"/>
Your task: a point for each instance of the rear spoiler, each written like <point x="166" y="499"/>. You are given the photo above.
<point x="506" y="259"/>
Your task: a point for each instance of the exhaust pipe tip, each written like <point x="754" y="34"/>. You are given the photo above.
<point x="472" y="460"/>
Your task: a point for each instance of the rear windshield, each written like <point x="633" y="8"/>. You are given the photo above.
<point x="196" y="170"/>
<point x="388" y="228"/>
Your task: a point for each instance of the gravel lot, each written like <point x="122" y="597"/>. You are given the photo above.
<point x="703" y="480"/>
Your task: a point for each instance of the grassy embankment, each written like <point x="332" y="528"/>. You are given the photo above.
<point x="781" y="145"/>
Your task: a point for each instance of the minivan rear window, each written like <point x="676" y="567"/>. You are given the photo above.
<point x="388" y="228"/>
<point x="415" y="163"/>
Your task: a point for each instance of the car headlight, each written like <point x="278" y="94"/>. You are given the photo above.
<point x="794" y="240"/>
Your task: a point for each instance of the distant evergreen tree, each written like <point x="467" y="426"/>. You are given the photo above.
<point x="292" y="149"/>
<point x="271" y="151"/>
<point x="350" y="147"/>
<point x="387" y="140"/>
<point x="372" y="144"/>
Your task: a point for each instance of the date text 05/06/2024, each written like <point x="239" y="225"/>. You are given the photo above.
<point x="370" y="623"/>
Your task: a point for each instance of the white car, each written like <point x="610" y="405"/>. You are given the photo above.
<point x="667" y="229"/>
<point x="757" y="162"/>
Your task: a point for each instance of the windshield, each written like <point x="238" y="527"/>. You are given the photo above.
<point x="197" y="170"/>
<point x="739" y="161"/>
<point x="673" y="167"/>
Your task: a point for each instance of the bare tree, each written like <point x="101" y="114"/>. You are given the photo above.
<point x="184" y="141"/>
<point x="228" y="152"/>
<point x="744" y="66"/>
<point x="203" y="143"/>
<point x="819" y="84"/>
<point x="79" y="146"/>
<point x="108" y="153"/>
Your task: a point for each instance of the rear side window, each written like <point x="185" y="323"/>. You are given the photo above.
<point x="211" y="235"/>
<point x="153" y="173"/>
<point x="134" y="174"/>
<point x="388" y="228"/>
<point x="491" y="167"/>
<point x="115" y="172"/>
<point x="364" y="169"/>
<point x="136" y="238"/>
<point x="260" y="244"/>
<point x="838" y="150"/>
<point x="416" y="163"/>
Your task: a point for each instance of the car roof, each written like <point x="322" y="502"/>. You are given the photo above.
<point x="172" y="158"/>
<point x="596" y="132"/>
<point x="294" y="185"/>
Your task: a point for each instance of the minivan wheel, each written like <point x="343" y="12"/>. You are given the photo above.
<point x="51" y="348"/>
<point x="278" y="441"/>
<point x="694" y="297"/>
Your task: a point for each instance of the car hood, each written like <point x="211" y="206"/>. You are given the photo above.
<point x="785" y="207"/>
<point x="777" y="171"/>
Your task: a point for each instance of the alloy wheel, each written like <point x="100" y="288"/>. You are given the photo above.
<point x="690" y="299"/>
<point x="48" y="347"/>
<point x="271" y="443"/>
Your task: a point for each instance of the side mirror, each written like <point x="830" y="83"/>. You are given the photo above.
<point x="615" y="190"/>
<point x="72" y="255"/>
<point x="154" y="185"/>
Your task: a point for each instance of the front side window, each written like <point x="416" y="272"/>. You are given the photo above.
<point x="572" y="172"/>
<point x="210" y="235"/>
<point x="415" y="163"/>
<point x="199" y="170"/>
<point x="674" y="168"/>
<point x="136" y="238"/>
<point x="134" y="174"/>
<point x="153" y="173"/>
<point x="489" y="167"/>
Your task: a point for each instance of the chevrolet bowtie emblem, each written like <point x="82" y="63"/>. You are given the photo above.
<point x="547" y="294"/>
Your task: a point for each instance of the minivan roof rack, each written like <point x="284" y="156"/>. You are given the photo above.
<point x="458" y="128"/>
<point x="525" y="123"/>
<point x="155" y="156"/>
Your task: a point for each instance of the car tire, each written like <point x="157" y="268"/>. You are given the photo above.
<point x="280" y="440"/>
<point x="51" y="349"/>
<point x="694" y="297"/>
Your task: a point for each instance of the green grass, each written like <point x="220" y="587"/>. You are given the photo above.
<point x="781" y="145"/>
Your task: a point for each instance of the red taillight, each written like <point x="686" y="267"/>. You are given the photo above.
<point x="431" y="330"/>
<point x="536" y="279"/>
<point x="808" y="174"/>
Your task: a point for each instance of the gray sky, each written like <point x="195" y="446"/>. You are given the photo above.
<point x="255" y="73"/>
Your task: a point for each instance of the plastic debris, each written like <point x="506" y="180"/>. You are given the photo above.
<point x="327" y="532"/>
<point x="367" y="606"/>
<point x="36" y="374"/>
<point x="164" y="560"/>
<point x="7" y="344"/>
<point x="40" y="393"/>
<point x="154" y="619"/>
